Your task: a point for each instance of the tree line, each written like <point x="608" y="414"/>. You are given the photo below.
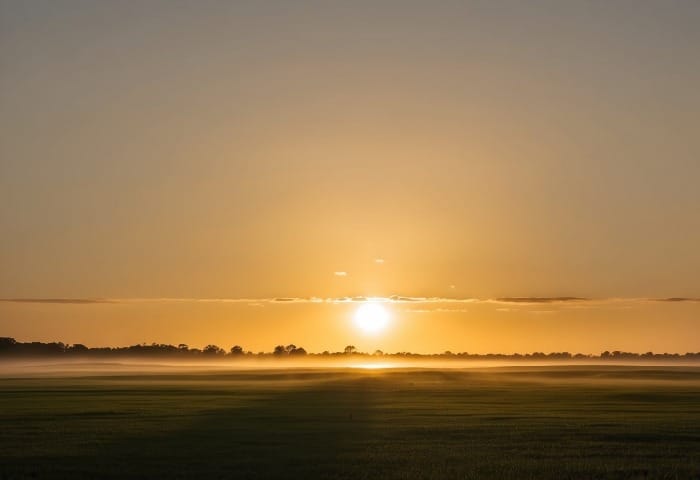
<point x="10" y="348"/>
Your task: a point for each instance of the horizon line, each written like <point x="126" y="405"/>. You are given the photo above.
<point x="8" y="343"/>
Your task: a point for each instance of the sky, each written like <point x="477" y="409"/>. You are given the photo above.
<point x="187" y="163"/>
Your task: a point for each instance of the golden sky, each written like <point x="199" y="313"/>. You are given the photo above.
<point x="246" y="151"/>
<point x="419" y="325"/>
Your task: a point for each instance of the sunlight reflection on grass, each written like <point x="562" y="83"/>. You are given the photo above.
<point x="374" y="366"/>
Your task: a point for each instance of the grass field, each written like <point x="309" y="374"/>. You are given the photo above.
<point x="502" y="423"/>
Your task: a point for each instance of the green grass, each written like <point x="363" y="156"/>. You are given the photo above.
<point x="519" y="423"/>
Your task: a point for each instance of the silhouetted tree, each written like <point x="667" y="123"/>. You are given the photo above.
<point x="279" y="350"/>
<point x="213" y="350"/>
<point x="9" y="347"/>
<point x="78" y="348"/>
<point x="236" y="350"/>
<point x="7" y="343"/>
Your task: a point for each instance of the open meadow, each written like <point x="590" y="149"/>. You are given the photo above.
<point x="554" y="422"/>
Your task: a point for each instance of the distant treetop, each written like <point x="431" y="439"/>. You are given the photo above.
<point x="11" y="348"/>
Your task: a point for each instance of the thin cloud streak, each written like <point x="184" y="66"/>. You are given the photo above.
<point x="540" y="299"/>
<point x="61" y="301"/>
<point x="436" y="310"/>
<point x="513" y="301"/>
<point x="677" y="299"/>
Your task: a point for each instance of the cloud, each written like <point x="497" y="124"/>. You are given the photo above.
<point x="70" y="301"/>
<point x="379" y="260"/>
<point x="676" y="299"/>
<point x="510" y="303"/>
<point x="438" y="310"/>
<point x="540" y="299"/>
<point x="396" y="298"/>
<point x="402" y="299"/>
<point x="340" y="274"/>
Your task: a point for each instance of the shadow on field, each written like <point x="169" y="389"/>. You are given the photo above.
<point x="301" y="430"/>
<point x="399" y="425"/>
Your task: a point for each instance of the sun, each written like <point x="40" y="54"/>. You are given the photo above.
<point x="371" y="317"/>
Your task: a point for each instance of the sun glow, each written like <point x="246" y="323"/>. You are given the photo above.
<point x="371" y="317"/>
<point x="374" y="366"/>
